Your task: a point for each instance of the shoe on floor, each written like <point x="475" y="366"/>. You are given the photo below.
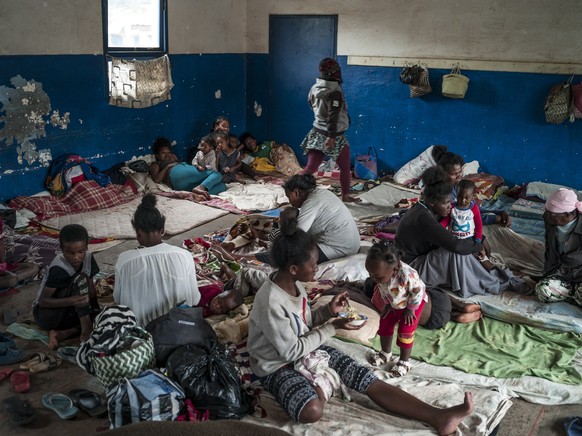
<point x="10" y="355"/>
<point x="61" y="404"/>
<point x="21" y="412"/>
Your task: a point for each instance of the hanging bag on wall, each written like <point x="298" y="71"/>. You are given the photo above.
<point x="558" y="105"/>
<point x="577" y="100"/>
<point x="410" y="74"/>
<point x="422" y="86"/>
<point x="366" y="165"/>
<point x="455" y="84"/>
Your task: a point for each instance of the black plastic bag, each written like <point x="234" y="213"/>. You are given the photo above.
<point x="410" y="75"/>
<point x="180" y="326"/>
<point x="210" y="380"/>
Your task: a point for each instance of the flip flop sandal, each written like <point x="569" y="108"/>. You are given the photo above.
<point x="36" y="358"/>
<point x="50" y="361"/>
<point x="400" y="369"/>
<point x="6" y="342"/>
<point x="5" y="373"/>
<point x="380" y="358"/>
<point x="20" y="381"/>
<point x="68" y="353"/>
<point x="21" y="411"/>
<point x="11" y="355"/>
<point x="60" y="404"/>
<point x="89" y="402"/>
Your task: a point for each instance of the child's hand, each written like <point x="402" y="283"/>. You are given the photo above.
<point x="227" y="170"/>
<point x="339" y="302"/>
<point x="79" y="300"/>
<point x="409" y="316"/>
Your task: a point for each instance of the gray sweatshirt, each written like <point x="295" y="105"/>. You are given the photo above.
<point x="281" y="328"/>
<point x="329" y="108"/>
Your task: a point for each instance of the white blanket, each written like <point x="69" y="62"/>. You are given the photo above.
<point x="255" y="196"/>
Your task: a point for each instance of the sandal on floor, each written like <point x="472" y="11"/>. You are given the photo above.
<point x="40" y="362"/>
<point x="60" y="404"/>
<point x="21" y="411"/>
<point x="68" y="353"/>
<point x="88" y="401"/>
<point x="9" y="356"/>
<point x="400" y="369"/>
<point x="380" y="358"/>
<point x="5" y="373"/>
<point x="20" y="381"/>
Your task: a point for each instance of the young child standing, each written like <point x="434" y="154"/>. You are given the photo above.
<point x="66" y="296"/>
<point x="229" y="159"/>
<point x="205" y="158"/>
<point x="404" y="296"/>
<point x="464" y="221"/>
<point x="284" y="330"/>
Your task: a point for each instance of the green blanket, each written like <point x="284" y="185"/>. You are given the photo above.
<point x="495" y="348"/>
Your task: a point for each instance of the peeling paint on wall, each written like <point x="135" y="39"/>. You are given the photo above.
<point x="24" y="112"/>
<point x="258" y="109"/>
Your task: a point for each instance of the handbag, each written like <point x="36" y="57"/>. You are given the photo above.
<point x="410" y="75"/>
<point x="422" y="86"/>
<point x="132" y="353"/>
<point x="180" y="326"/>
<point x="577" y="100"/>
<point x="455" y="84"/>
<point x="151" y="396"/>
<point x="366" y="165"/>
<point x="558" y="105"/>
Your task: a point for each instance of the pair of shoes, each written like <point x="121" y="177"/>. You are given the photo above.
<point x="40" y="362"/>
<point x="61" y="404"/>
<point x="400" y="369"/>
<point x="88" y="401"/>
<point x="10" y="355"/>
<point x="21" y="411"/>
<point x="380" y="358"/>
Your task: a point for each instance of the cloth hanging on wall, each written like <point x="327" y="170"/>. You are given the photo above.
<point x="140" y="83"/>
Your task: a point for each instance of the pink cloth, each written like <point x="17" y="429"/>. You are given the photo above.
<point x="562" y="201"/>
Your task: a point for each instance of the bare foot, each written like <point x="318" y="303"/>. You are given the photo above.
<point x="470" y="307"/>
<point x="53" y="339"/>
<point x="448" y="421"/>
<point x="468" y="317"/>
<point x="347" y="199"/>
<point x="222" y="254"/>
<point x="201" y="191"/>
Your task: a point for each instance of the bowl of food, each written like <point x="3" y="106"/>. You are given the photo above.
<point x="357" y="319"/>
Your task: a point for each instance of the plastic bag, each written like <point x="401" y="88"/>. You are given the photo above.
<point x="210" y="380"/>
<point x="149" y="397"/>
<point x="181" y="326"/>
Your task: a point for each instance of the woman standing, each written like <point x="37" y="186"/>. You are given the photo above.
<point x="327" y="137"/>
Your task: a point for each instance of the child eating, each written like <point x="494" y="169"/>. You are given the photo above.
<point x="66" y="296"/>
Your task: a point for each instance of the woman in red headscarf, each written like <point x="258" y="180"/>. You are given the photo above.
<point x="327" y="137"/>
<point x="563" y="258"/>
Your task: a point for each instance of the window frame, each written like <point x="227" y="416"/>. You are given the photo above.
<point x="136" y="51"/>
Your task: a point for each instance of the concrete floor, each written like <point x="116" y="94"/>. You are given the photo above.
<point x="523" y="419"/>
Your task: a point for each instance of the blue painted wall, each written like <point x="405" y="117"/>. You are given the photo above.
<point x="500" y="122"/>
<point x="107" y="134"/>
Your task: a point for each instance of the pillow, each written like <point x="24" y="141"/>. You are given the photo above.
<point x="543" y="190"/>
<point x="485" y="185"/>
<point x="364" y="335"/>
<point x="471" y="168"/>
<point x="350" y="268"/>
<point x="411" y="171"/>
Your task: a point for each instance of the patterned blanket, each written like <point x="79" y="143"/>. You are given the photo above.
<point x="82" y="197"/>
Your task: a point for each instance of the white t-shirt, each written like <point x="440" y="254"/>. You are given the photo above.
<point x="153" y="280"/>
<point x="325" y="217"/>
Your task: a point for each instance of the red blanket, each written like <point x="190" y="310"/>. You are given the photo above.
<point x="82" y="197"/>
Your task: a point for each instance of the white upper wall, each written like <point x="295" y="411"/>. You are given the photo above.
<point x="36" y="27"/>
<point x="517" y="30"/>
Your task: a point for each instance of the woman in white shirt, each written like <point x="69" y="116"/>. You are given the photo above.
<point x="155" y="277"/>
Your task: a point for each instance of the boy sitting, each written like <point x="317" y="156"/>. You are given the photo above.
<point x="66" y="296"/>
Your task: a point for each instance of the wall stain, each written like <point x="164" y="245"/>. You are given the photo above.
<point x="24" y="112"/>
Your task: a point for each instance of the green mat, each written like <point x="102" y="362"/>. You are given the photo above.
<point x="498" y="349"/>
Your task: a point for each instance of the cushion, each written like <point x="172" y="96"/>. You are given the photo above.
<point x="411" y="171"/>
<point x="543" y="190"/>
<point x="367" y="332"/>
<point x="485" y="185"/>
